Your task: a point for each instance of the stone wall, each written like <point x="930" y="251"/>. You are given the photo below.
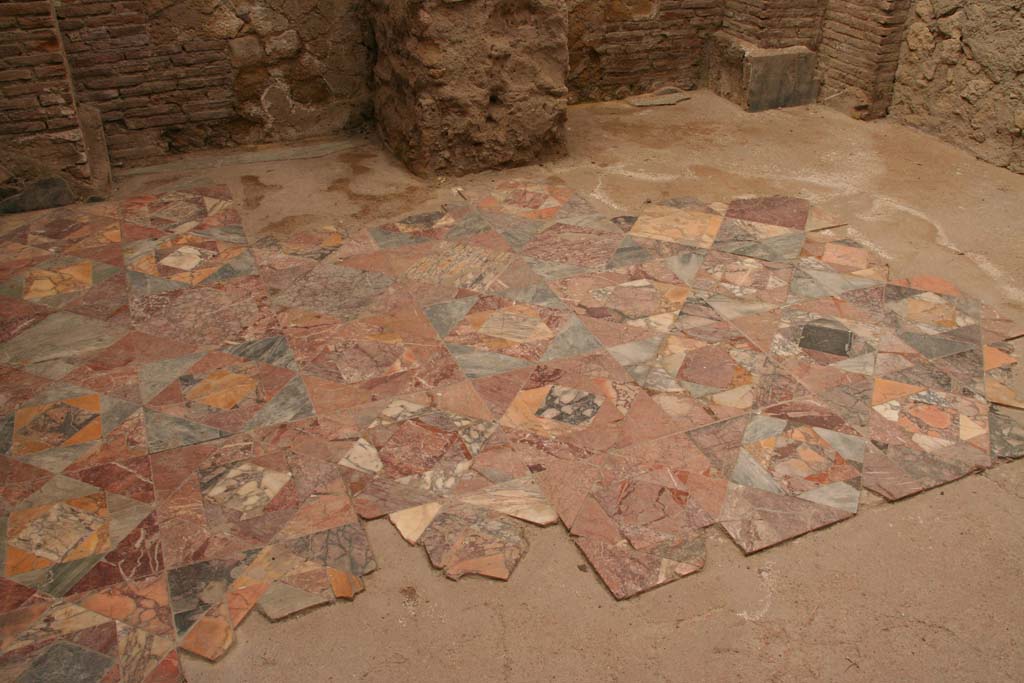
<point x="170" y="76"/>
<point x="623" y="47"/>
<point x="961" y="76"/>
<point x="39" y="130"/>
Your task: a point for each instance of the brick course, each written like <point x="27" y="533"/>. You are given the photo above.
<point x="860" y="50"/>
<point x="623" y="47"/>
<point x="38" y="124"/>
<point x="140" y="87"/>
<point x="774" y="23"/>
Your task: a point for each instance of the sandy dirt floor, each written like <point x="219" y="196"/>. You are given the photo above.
<point x="927" y="589"/>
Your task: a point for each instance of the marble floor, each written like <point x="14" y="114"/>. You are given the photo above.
<point x="194" y="424"/>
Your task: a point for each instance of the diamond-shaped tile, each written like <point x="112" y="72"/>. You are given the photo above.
<point x="336" y="291"/>
<point x="584" y="246"/>
<point x="618" y="309"/>
<point x="56" y="533"/>
<point x="497" y="334"/>
<point x="744" y="278"/>
<point x="189" y="259"/>
<point x="682" y="222"/>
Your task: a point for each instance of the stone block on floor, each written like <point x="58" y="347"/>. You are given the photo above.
<point x="759" y="78"/>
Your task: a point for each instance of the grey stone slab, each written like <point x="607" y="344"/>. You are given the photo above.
<point x="67" y="663"/>
<point x="60" y="336"/>
<point x="574" y="340"/>
<point x="476" y="364"/>
<point x="282" y="600"/>
<point x="291" y="403"/>
<point x="164" y="432"/>
<point x="444" y="317"/>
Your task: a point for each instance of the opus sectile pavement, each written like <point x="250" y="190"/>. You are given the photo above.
<point x="194" y="424"/>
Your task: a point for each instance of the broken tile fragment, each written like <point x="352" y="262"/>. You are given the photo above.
<point x="282" y="601"/>
<point x="519" y="498"/>
<point x="627" y="572"/>
<point x="757" y="519"/>
<point x="1006" y="432"/>
<point x="464" y="539"/>
<point x="412" y="522"/>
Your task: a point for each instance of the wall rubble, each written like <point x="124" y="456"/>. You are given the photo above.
<point x="471" y="85"/>
<point x="961" y="76"/>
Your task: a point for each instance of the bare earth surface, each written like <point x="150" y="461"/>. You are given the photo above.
<point x="926" y="589"/>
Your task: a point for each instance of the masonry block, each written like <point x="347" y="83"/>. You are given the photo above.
<point x="759" y="78"/>
<point x="469" y="85"/>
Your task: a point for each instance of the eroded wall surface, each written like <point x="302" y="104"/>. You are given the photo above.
<point x="461" y="87"/>
<point x="961" y="76"/>
<point x="170" y="76"/>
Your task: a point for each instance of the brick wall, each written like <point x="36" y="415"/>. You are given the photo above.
<point x="622" y="47"/>
<point x="774" y="23"/>
<point x="168" y="78"/>
<point x="859" y="53"/>
<point x="38" y="124"/>
<point x="793" y="22"/>
<point x="174" y="75"/>
<point x="143" y="90"/>
<point x="742" y="18"/>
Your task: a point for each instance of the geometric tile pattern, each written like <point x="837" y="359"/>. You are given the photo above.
<point x="194" y="425"/>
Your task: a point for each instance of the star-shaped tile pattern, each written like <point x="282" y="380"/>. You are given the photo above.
<point x="925" y="438"/>
<point x="825" y="352"/>
<point x="227" y="392"/>
<point x="492" y="334"/>
<point x="187" y="260"/>
<point x="801" y="449"/>
<point x="618" y="309"/>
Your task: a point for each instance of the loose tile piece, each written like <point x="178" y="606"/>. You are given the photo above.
<point x="463" y="539"/>
<point x="757" y="519"/>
